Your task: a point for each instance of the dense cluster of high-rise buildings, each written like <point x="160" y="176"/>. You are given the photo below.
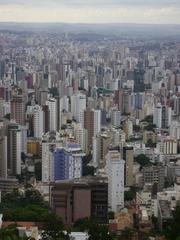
<point x="114" y="102"/>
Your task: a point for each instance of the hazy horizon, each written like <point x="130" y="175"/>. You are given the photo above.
<point x="93" y="11"/>
<point x="88" y="23"/>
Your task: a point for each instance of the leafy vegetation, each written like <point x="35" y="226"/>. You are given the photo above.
<point x="143" y="160"/>
<point x="131" y="194"/>
<point x="127" y="234"/>
<point x="96" y="231"/>
<point x="54" y="229"/>
<point x="136" y="128"/>
<point x="111" y="215"/>
<point x="38" y="171"/>
<point x="11" y="233"/>
<point x="150" y="144"/>
<point x="172" y="231"/>
<point x="54" y="91"/>
<point x="148" y="119"/>
<point x="27" y="206"/>
<point x="8" y="116"/>
<point x="89" y="171"/>
<point x="150" y="127"/>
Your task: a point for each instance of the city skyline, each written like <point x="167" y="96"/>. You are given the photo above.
<point x="89" y="119"/>
<point x="78" y="11"/>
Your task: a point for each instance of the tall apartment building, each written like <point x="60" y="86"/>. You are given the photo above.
<point x="38" y="121"/>
<point x="18" y="109"/>
<point x="119" y="99"/>
<point x="115" y="173"/>
<point x="116" y="118"/>
<point x="92" y="123"/>
<point x="162" y="116"/>
<point x="63" y="106"/>
<point x="101" y="143"/>
<point x="50" y="141"/>
<point x="24" y="130"/>
<point x="175" y="130"/>
<point x="14" y="149"/>
<point x="78" y="105"/>
<point x="81" y="136"/>
<point x="52" y="104"/>
<point x="80" y="198"/>
<point x="127" y="102"/>
<point x="128" y="156"/>
<point x="67" y="163"/>
<point x="168" y="146"/>
<point x="176" y="105"/>
<point x="3" y="156"/>
<point x="46" y="122"/>
<point x="138" y="100"/>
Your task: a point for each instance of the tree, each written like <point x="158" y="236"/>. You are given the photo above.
<point x="98" y="232"/>
<point x="136" y="128"/>
<point x="150" y="144"/>
<point x="38" y="171"/>
<point x="129" y="195"/>
<point x="81" y="224"/>
<point x="33" y="196"/>
<point x="111" y="215"/>
<point x="23" y="157"/>
<point x="143" y="160"/>
<point x="11" y="233"/>
<point x="150" y="127"/>
<point x="89" y="171"/>
<point x="149" y="119"/>
<point x="127" y="234"/>
<point x="95" y="231"/>
<point x="54" y="229"/>
<point x="172" y="231"/>
<point x="28" y="206"/>
<point x="54" y="91"/>
<point x="8" y="116"/>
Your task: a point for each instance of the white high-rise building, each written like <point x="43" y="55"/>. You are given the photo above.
<point x="167" y="146"/>
<point x="97" y="121"/>
<point x="50" y="141"/>
<point x="157" y="116"/>
<point x="81" y="136"/>
<point x="78" y="105"/>
<point x="5" y="108"/>
<point x="64" y="103"/>
<point x="162" y="116"/>
<point x="52" y="104"/>
<point x="38" y="121"/>
<point x="18" y="152"/>
<point x="64" y="106"/>
<point x="175" y="130"/>
<point x="96" y="150"/>
<point x="168" y="117"/>
<point x="116" y="118"/>
<point x="115" y="173"/>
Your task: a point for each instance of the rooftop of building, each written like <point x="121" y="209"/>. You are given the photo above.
<point x="82" y="181"/>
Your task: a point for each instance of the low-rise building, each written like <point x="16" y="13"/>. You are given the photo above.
<point x="164" y="214"/>
<point x="80" y="198"/>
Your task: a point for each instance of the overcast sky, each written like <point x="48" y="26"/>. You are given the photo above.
<point x="91" y="11"/>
